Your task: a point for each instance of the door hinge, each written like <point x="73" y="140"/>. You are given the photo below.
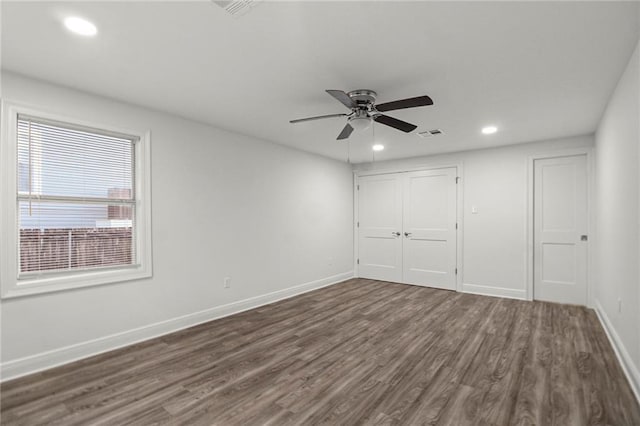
<point x="457" y="179"/>
<point x="456" y="271"/>
<point x="358" y="224"/>
<point x="358" y="186"/>
<point x="456" y="226"/>
<point x="358" y="261"/>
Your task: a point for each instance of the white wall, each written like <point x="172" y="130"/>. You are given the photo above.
<point x="495" y="239"/>
<point x="224" y="204"/>
<point x="618" y="215"/>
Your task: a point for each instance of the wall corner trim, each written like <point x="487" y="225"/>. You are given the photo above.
<point x="57" y="357"/>
<point x="630" y="370"/>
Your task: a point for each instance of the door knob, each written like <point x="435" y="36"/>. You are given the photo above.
<point x="397" y="234"/>
<point x="407" y="234"/>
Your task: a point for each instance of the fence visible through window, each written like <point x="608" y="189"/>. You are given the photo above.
<point x="76" y="198"/>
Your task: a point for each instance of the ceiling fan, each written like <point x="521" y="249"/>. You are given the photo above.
<point x="361" y="102"/>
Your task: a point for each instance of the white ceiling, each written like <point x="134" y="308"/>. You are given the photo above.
<point x="537" y="70"/>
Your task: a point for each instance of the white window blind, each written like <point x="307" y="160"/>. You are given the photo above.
<point x="75" y="196"/>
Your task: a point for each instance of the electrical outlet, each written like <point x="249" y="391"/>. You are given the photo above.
<point x="227" y="282"/>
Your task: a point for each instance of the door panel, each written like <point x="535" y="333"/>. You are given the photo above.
<point x="429" y="235"/>
<point x="560" y="219"/>
<point x="380" y="225"/>
<point x="558" y="263"/>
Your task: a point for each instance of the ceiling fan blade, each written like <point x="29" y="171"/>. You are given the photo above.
<point x="346" y="132"/>
<point x="319" y="117"/>
<point x="405" y="103"/>
<point x="395" y="123"/>
<point x="342" y="97"/>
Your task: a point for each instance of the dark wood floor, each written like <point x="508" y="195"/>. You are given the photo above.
<point x="361" y="352"/>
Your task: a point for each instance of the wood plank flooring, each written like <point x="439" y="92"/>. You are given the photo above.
<point x="360" y="352"/>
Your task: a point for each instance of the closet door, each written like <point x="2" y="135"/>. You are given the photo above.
<point x="429" y="228"/>
<point x="380" y="227"/>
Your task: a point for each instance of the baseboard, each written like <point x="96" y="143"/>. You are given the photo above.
<point x="629" y="368"/>
<point x="43" y="361"/>
<point x="486" y="290"/>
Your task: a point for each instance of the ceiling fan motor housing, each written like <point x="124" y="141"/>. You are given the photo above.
<point x="364" y="100"/>
<point x="363" y="97"/>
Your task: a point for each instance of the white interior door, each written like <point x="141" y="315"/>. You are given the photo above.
<point x="560" y="230"/>
<point x="380" y="227"/>
<point x="429" y="228"/>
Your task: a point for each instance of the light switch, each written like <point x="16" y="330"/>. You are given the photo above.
<point x="474" y="209"/>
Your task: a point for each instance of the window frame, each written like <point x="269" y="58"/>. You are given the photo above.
<point x="14" y="285"/>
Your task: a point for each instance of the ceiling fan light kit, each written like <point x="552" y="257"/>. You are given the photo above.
<point x="360" y="121"/>
<point x="364" y="111"/>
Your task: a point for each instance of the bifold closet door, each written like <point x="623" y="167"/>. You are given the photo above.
<point x="429" y="228"/>
<point x="380" y="227"/>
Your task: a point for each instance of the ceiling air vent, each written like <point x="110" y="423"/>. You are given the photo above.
<point x="429" y="133"/>
<point x="237" y="8"/>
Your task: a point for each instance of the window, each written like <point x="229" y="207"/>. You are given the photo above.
<point x="79" y="196"/>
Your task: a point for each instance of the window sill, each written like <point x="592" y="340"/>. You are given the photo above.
<point x="55" y="283"/>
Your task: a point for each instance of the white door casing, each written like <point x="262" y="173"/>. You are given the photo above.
<point x="429" y="228"/>
<point x="560" y="229"/>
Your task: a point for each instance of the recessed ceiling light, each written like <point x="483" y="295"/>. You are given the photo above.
<point x="489" y="130"/>
<point x="80" y="26"/>
<point x="378" y="147"/>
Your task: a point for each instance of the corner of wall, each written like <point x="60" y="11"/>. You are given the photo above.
<point x="627" y="363"/>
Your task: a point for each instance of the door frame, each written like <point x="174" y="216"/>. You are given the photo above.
<point x="459" y="209"/>
<point x="588" y="152"/>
